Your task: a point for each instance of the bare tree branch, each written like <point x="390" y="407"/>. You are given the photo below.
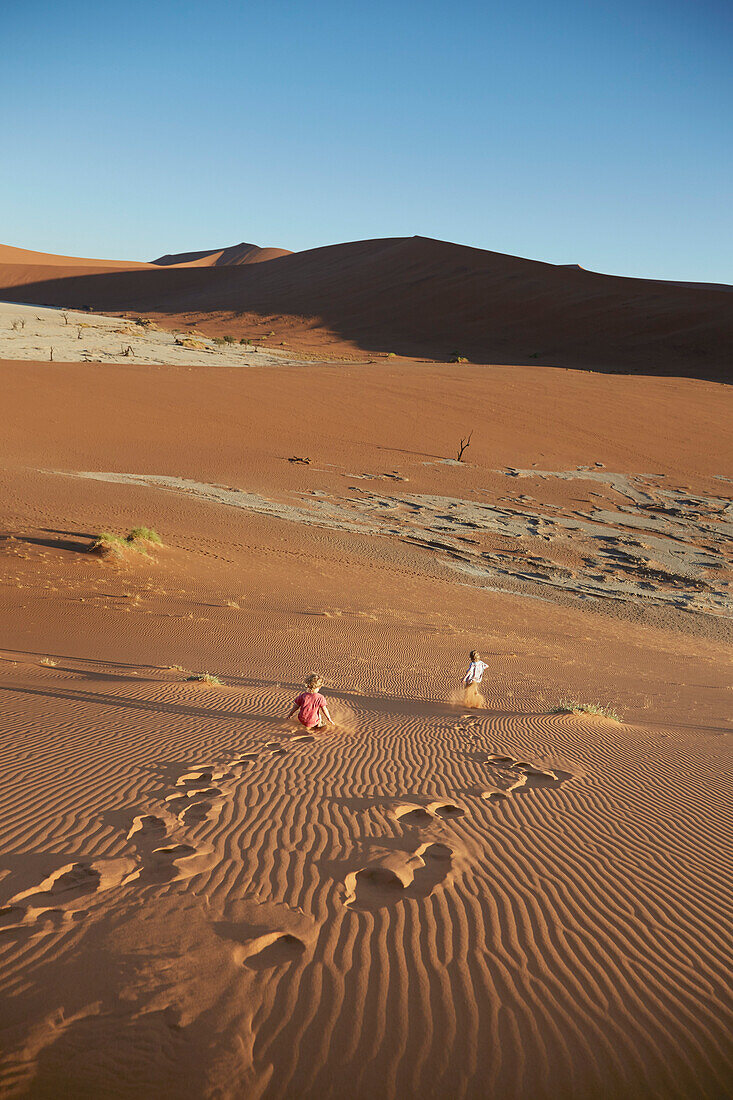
<point x="465" y="443"/>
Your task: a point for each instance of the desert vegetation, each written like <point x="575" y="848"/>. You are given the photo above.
<point x="572" y="706"/>
<point x="140" y="539"/>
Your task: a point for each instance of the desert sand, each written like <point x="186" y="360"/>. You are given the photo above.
<point x="199" y="898"/>
<point x="407" y="296"/>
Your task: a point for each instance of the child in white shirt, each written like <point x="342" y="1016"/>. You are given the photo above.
<point x="472" y="695"/>
<point x="475" y="671"/>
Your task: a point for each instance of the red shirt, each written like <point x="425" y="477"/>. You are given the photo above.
<point x="311" y="703"/>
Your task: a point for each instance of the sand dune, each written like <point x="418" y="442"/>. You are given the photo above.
<point x="260" y="921"/>
<point x="420" y="297"/>
<point x="199" y="898"/>
<point x="234" y="255"/>
<point x="22" y="256"/>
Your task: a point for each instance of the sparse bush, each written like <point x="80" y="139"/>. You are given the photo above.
<point x="456" y="358"/>
<point x="572" y="706"/>
<point x="48" y="662"/>
<point x="107" y="544"/>
<point x="229" y="339"/>
<point x="190" y="342"/>
<point x="219" y="340"/>
<point x="245" y="340"/>
<point x="145" y="533"/>
<point x="18" y="325"/>
<point x="205" y="678"/>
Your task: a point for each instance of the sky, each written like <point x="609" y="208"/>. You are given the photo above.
<point x="569" y="131"/>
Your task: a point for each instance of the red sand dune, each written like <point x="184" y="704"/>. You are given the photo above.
<point x="9" y="255"/>
<point x="199" y="899"/>
<point x="416" y="296"/>
<point x="235" y="255"/>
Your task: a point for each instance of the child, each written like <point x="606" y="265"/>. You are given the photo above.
<point x="472" y="679"/>
<point x="311" y="705"/>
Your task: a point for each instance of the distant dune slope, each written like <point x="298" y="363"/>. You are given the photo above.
<point x="235" y="255"/>
<point x="416" y="296"/>
<point x="10" y="255"/>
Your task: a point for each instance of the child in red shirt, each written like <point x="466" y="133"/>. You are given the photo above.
<point x="311" y="705"/>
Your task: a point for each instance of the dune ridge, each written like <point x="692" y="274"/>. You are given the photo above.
<point x="416" y="296"/>
<point x="444" y="895"/>
<point x="276" y="852"/>
<point x="233" y="255"/>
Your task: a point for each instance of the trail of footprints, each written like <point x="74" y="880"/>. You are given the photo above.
<point x="401" y="875"/>
<point x="163" y="854"/>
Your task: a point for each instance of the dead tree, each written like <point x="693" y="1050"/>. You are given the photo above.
<point x="51" y="356"/>
<point x="465" y="443"/>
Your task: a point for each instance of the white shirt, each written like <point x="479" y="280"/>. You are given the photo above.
<point x="475" y="672"/>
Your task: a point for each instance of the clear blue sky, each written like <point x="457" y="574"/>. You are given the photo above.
<point x="577" y="131"/>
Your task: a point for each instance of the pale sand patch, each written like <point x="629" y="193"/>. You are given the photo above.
<point x="616" y="566"/>
<point x="73" y="336"/>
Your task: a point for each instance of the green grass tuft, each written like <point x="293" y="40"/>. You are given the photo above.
<point x="147" y="534"/>
<point x="115" y="545"/>
<point x="107" y="543"/>
<point x="205" y="678"/>
<point x="572" y="706"/>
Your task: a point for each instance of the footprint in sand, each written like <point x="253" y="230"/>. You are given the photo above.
<point x="66" y="890"/>
<point x="196" y="796"/>
<point x="530" y="777"/>
<point x="75" y="886"/>
<point x="159" y="861"/>
<point x="272" y="949"/>
<point x="200" y="778"/>
<point x="276" y="748"/>
<point x="399" y="877"/>
<point x="493" y="796"/>
<point x="180" y="803"/>
<point x="446" y="810"/>
<point x="419" y="815"/>
<point x="265" y="935"/>
<point x="198" y="811"/>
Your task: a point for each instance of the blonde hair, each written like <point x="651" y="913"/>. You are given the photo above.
<point x="313" y="680"/>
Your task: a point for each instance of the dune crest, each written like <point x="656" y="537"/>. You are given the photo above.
<point x="413" y="296"/>
<point x="234" y="255"/>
